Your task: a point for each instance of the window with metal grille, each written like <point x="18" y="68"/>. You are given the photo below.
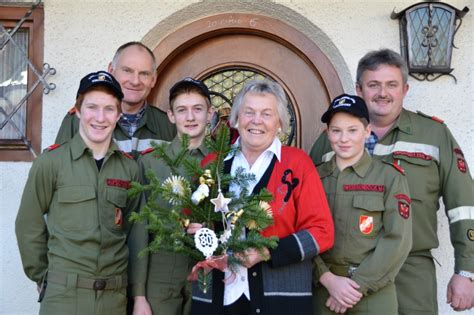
<point x="22" y="80"/>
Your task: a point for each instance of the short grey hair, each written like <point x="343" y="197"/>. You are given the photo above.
<point x="130" y="44"/>
<point x="373" y="59"/>
<point x="265" y="86"/>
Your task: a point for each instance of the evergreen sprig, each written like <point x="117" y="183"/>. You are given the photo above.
<point x="168" y="210"/>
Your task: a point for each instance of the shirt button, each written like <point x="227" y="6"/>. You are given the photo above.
<point x="257" y="310"/>
<point x="254" y="274"/>
<point x="242" y="278"/>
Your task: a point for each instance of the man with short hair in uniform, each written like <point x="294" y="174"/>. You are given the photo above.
<point x="134" y="67"/>
<point x="162" y="276"/>
<point x="435" y="167"/>
<point x="72" y="224"/>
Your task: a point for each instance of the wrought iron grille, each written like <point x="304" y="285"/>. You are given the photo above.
<point x="16" y="85"/>
<point x="226" y="84"/>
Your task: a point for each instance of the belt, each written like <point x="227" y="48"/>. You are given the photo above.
<point x="111" y="283"/>
<point x="342" y="270"/>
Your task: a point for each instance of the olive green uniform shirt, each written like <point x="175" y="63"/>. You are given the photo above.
<point x="153" y="126"/>
<point x="370" y="203"/>
<point x="73" y="218"/>
<point x="435" y="167"/>
<point x="140" y="237"/>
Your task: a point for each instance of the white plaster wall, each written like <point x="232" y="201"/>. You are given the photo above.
<point x="81" y="36"/>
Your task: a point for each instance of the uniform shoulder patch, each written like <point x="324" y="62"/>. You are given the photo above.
<point x="145" y="152"/>
<point x="439" y="120"/>
<point x="52" y="147"/>
<point x="72" y="111"/>
<point x="127" y="155"/>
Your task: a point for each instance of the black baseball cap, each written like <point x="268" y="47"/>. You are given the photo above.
<point x="351" y="104"/>
<point x="188" y="81"/>
<point x="100" y="78"/>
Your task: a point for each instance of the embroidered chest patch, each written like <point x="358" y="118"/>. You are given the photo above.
<point x="364" y="187"/>
<point x="118" y="183"/>
<point x="366" y="224"/>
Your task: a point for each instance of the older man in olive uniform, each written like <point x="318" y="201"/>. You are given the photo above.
<point x="134" y="67"/>
<point x="370" y="204"/>
<point x="162" y="276"/>
<point x="72" y="224"/>
<point x="435" y="167"/>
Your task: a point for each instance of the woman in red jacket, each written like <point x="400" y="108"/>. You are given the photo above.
<point x="279" y="281"/>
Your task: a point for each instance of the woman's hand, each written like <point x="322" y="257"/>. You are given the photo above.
<point x="342" y="289"/>
<point x="193" y="228"/>
<point x="251" y="256"/>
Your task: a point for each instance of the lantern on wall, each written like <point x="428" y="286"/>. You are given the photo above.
<point x="427" y="32"/>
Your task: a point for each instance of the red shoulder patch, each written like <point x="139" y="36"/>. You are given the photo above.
<point x="127" y="155"/>
<point x="149" y="150"/>
<point x="72" y="111"/>
<point x="53" y="147"/>
<point x="403" y="197"/>
<point x="437" y="119"/>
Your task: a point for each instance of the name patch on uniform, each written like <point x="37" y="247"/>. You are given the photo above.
<point x="118" y="183"/>
<point x="366" y="224"/>
<point x="470" y="234"/>
<point x="418" y="155"/>
<point x="364" y="187"/>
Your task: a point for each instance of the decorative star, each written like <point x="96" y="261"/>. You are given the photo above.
<point x="220" y="203"/>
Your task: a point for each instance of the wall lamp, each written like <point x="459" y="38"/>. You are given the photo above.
<point x="427" y="32"/>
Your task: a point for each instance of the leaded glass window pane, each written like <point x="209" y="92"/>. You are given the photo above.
<point x="13" y="86"/>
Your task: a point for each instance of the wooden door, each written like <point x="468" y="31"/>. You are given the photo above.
<point x="252" y="44"/>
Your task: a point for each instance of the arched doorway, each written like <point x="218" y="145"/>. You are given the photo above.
<point x="253" y="43"/>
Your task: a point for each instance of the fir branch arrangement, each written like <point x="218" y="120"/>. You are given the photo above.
<point x="200" y="194"/>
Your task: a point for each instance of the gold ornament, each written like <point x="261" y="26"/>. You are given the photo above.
<point x="237" y="216"/>
<point x="206" y="178"/>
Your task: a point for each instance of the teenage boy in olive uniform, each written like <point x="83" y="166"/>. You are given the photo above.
<point x="370" y="205"/>
<point x="434" y="167"/>
<point x="134" y="67"/>
<point x="72" y="224"/>
<point x="162" y="276"/>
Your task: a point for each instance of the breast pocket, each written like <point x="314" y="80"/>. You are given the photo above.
<point x="77" y="208"/>
<point x="422" y="174"/>
<point x="118" y="198"/>
<point x="367" y="218"/>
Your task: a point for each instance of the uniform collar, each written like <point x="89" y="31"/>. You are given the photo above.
<point x="147" y="121"/>
<point x="175" y="146"/>
<point x="360" y="168"/>
<point x="403" y="122"/>
<point x="79" y="147"/>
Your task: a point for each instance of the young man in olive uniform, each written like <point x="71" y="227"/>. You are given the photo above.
<point x="134" y="67"/>
<point x="370" y="204"/>
<point x="434" y="166"/>
<point x="162" y="276"/>
<point x="72" y="224"/>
